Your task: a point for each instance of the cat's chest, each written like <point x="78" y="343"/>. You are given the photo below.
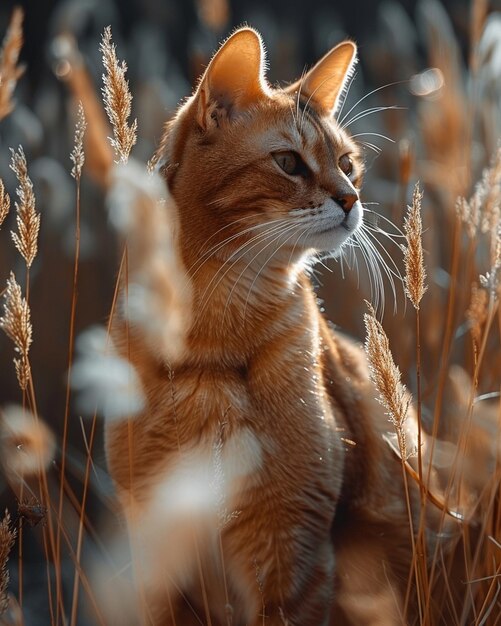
<point x="280" y="384"/>
<point x="271" y="418"/>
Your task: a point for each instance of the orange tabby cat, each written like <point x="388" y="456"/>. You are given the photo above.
<point x="231" y="476"/>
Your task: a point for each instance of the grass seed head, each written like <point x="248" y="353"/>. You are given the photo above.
<point x="10" y="71"/>
<point x="16" y="324"/>
<point x="415" y="273"/>
<point x="77" y="155"/>
<point x="4" y="203"/>
<point x="28" y="221"/>
<point x="117" y="99"/>
<point x="386" y="377"/>
<point x="7" y="537"/>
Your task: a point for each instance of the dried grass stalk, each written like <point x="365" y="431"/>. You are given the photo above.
<point x="28" y="221"/>
<point x="7" y="536"/>
<point x="17" y="325"/>
<point x="117" y="99"/>
<point x="10" y="71"/>
<point x="479" y="10"/>
<point x="4" y="203"/>
<point x="477" y="312"/>
<point x="77" y="155"/>
<point x="415" y="273"/>
<point x="385" y="375"/>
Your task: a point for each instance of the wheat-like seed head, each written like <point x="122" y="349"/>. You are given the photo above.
<point x="78" y="155"/>
<point x="7" y="536"/>
<point x="28" y="221"/>
<point x="4" y="203"/>
<point x="477" y="311"/>
<point x="491" y="280"/>
<point x="117" y="99"/>
<point x="386" y="377"/>
<point x="483" y="208"/>
<point x="16" y="324"/>
<point x="415" y="273"/>
<point x="10" y="72"/>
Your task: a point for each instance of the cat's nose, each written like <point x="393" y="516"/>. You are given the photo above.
<point x="346" y="201"/>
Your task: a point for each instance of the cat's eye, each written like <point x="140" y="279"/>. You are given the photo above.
<point x="291" y="163"/>
<point x="346" y="165"/>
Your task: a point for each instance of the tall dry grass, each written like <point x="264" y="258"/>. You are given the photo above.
<point x="443" y="353"/>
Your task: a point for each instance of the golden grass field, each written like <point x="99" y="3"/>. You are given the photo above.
<point x="434" y="337"/>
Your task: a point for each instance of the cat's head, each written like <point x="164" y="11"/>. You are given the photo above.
<point x="258" y="167"/>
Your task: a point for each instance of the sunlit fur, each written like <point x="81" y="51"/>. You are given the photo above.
<point x="261" y="367"/>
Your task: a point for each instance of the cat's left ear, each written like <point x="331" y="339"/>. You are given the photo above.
<point x="233" y="81"/>
<point x="325" y="82"/>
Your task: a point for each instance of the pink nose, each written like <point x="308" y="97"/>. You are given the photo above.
<point x="346" y="201"/>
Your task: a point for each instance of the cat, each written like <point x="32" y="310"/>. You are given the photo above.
<point x="256" y="483"/>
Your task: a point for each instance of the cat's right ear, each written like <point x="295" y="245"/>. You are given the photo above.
<point x="323" y="85"/>
<point x="233" y="81"/>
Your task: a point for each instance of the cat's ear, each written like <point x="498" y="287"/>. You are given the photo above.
<point x="233" y="81"/>
<point x="325" y="82"/>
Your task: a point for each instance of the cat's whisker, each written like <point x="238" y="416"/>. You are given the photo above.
<point x="371" y="111"/>
<point x="319" y="260"/>
<point x="235" y="256"/>
<point x="211" y="249"/>
<point x="217" y="247"/>
<point x="341" y="261"/>
<point x="370" y="271"/>
<point x="276" y="238"/>
<point x="354" y="257"/>
<point x="265" y="263"/>
<point x="350" y="257"/>
<point x="377" y="229"/>
<point x="373" y="135"/>
<point x="245" y="217"/>
<point x="294" y="119"/>
<point x="398" y="82"/>
<point x="298" y="98"/>
<point x="375" y="268"/>
<point x="212" y="202"/>
<point x="396" y="271"/>
<point x="304" y="232"/>
<point x="382" y="217"/>
<point x="275" y="233"/>
<point x="371" y="146"/>
<point x="350" y="82"/>
<point x="381" y="263"/>
<point x="255" y="241"/>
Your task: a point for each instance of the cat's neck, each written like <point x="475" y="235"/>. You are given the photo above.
<point x="242" y="304"/>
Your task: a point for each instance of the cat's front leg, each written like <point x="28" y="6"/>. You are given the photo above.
<point x="303" y="597"/>
<point x="284" y="575"/>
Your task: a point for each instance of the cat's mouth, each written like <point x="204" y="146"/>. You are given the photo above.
<point x="344" y="224"/>
<point x="350" y="222"/>
<point x="334" y="232"/>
